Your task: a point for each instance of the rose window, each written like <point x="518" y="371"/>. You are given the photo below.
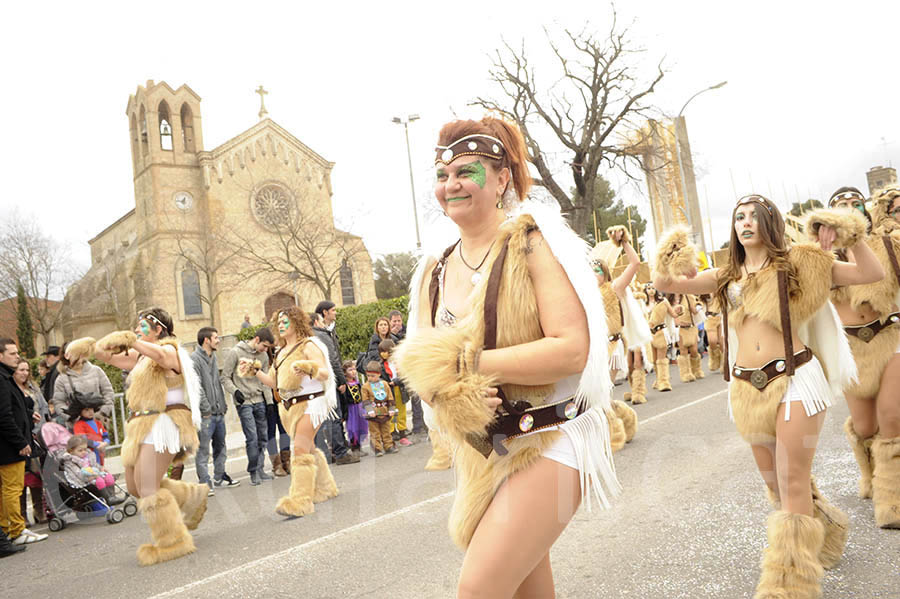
<point x="272" y="204"/>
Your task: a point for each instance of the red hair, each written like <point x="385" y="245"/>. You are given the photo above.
<point x="515" y="158"/>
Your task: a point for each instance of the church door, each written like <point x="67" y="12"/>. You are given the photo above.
<point x="276" y="302"/>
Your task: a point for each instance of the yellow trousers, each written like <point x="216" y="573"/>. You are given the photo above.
<point x="12" y="481"/>
<point x="400" y="417"/>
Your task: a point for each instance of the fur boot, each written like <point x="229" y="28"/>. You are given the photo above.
<point x="886" y="481"/>
<point x="684" y="370"/>
<point x="662" y="375"/>
<point x="171" y="538"/>
<point x="790" y="567"/>
<point x="697" y="367"/>
<point x="629" y="418"/>
<point x="191" y="499"/>
<point x="617" y="438"/>
<point x="298" y="502"/>
<point x="862" y="451"/>
<point x="638" y="386"/>
<point x="277" y="469"/>
<point x="627" y="395"/>
<point x="715" y="358"/>
<point x="286" y="460"/>
<point x="440" y="451"/>
<point x="836" y="526"/>
<point x="326" y="488"/>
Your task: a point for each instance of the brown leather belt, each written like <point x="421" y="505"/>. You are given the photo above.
<point x="761" y="377"/>
<point x="685" y="326"/>
<point x="529" y="420"/>
<point x="658" y="328"/>
<point x="615" y="337"/>
<point x="169" y="408"/>
<point x="867" y="332"/>
<point x="290" y="402"/>
<point x="711" y="314"/>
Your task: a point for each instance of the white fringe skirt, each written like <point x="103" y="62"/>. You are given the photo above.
<point x="164" y="436"/>
<point x="617" y="359"/>
<point x="808" y="386"/>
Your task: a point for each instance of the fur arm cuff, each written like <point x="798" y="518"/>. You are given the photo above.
<point x="117" y="342"/>
<point x="850" y="226"/>
<point x="305" y="367"/>
<point x="616" y="228"/>
<point x="675" y="254"/>
<point x="248" y="368"/>
<point x="80" y="348"/>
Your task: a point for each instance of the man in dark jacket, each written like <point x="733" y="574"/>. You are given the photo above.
<point x="332" y="430"/>
<point x="15" y="448"/>
<point x="49" y="382"/>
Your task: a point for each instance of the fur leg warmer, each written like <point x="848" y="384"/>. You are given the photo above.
<point x="836" y="526"/>
<point x="696" y="367"/>
<point x="715" y="358"/>
<point x="298" y="502"/>
<point x="638" y="386"/>
<point x="617" y="438"/>
<point x="886" y="481"/>
<point x="790" y="567"/>
<point x="628" y="417"/>
<point x="171" y="538"/>
<point x="862" y="451"/>
<point x="440" y="451"/>
<point x="662" y="375"/>
<point x="684" y="370"/>
<point x="326" y="488"/>
<point x="191" y="499"/>
<point x="627" y="395"/>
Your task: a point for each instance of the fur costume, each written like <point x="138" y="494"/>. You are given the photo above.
<point x="171" y="538"/>
<point x="440" y="451"/>
<point x="684" y="369"/>
<point x="442" y="364"/>
<point x="836" y="526"/>
<point x="791" y="568"/>
<point x="638" y="382"/>
<point x="882" y="221"/>
<point x="291" y="375"/>
<point x="617" y="436"/>
<point x="886" y="481"/>
<point x="326" y="487"/>
<point x="862" y="451"/>
<point x="147" y="391"/>
<point x="850" y="226"/>
<point x="675" y="254"/>
<point x="662" y="375"/>
<point x="299" y="500"/>
<point x="626" y="236"/>
<point x="191" y="499"/>
<point x="628" y="417"/>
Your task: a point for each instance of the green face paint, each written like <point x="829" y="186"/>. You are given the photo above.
<point x="145" y="328"/>
<point x="456" y="199"/>
<point x="474" y="171"/>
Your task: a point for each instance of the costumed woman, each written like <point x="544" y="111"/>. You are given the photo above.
<point x="784" y="340"/>
<point x="303" y="383"/>
<point x="689" y="367"/>
<point x="661" y="321"/>
<point x="870" y="316"/>
<point x="712" y="326"/>
<point x="512" y="362"/>
<point x="163" y="394"/>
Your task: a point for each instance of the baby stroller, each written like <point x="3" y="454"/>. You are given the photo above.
<point x="64" y="501"/>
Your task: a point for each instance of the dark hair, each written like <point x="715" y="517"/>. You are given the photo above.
<point x="347" y="365"/>
<point x="388" y="321"/>
<point x="394" y="313"/>
<point x="841" y="190"/>
<point x="62" y="353"/>
<point x="324" y="306"/>
<point x="386" y="345"/>
<point x="373" y="366"/>
<point x="76" y="441"/>
<point x="4" y="342"/>
<point x="204" y="334"/>
<point x="160" y="318"/>
<point x="43" y="363"/>
<point x="264" y="334"/>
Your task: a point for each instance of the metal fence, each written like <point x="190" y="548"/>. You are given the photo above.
<point x="117" y="426"/>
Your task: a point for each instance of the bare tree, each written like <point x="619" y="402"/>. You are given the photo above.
<point x="40" y="264"/>
<point x="594" y="108"/>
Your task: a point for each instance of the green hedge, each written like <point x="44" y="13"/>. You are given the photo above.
<point x="355" y="324"/>
<point x="249" y="333"/>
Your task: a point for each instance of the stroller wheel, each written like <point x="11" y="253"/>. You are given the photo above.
<point x="56" y="524"/>
<point x="114" y="516"/>
<point x="130" y="508"/>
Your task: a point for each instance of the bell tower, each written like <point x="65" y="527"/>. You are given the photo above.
<point x="165" y="137"/>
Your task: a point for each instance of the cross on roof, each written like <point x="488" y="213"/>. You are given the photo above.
<point x="262" y="102"/>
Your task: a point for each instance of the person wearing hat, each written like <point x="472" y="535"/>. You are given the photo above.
<point x="52" y="358"/>
<point x="78" y="377"/>
<point x="80" y="412"/>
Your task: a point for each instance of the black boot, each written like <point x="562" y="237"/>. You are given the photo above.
<point x="6" y="546"/>
<point x="109" y="495"/>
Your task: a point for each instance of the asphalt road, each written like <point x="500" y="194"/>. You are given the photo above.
<point x="689" y="523"/>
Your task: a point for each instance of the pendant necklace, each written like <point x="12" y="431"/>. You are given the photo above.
<point x="476" y="276"/>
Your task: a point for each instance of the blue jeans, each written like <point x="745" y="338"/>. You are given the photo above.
<point x="332" y="433"/>
<point x="255" y="426"/>
<point x="274" y="422"/>
<point x="211" y="429"/>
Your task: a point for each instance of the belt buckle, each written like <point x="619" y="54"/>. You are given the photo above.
<point x="865" y="333"/>
<point x="759" y="379"/>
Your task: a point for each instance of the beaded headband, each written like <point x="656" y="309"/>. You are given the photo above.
<point x="154" y="319"/>
<point x="850" y="194"/>
<point x="754" y="199"/>
<point x="477" y="144"/>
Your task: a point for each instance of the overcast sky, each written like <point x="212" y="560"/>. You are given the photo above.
<point x="810" y="104"/>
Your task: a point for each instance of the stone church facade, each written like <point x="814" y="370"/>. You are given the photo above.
<point x="244" y="228"/>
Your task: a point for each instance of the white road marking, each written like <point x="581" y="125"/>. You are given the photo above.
<point x="687" y="405"/>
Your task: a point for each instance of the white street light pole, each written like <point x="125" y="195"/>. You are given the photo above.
<point x="412" y="185"/>
<point x="687" y="212"/>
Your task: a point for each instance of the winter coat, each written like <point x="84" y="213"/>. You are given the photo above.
<point x="251" y="387"/>
<point x="15" y="419"/>
<point x="40" y="406"/>
<point x="212" y="396"/>
<point x="91" y="382"/>
<point x="334" y="354"/>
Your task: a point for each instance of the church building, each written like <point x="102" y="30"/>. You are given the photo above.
<point x="246" y="228"/>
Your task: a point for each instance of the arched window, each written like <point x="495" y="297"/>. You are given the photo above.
<point x="165" y="126"/>
<point x="190" y="292"/>
<point x="135" y="142"/>
<point x="142" y="123"/>
<point x="187" y="128"/>
<point x="348" y="297"/>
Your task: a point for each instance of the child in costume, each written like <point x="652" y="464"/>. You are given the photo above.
<point x="306" y="395"/>
<point x="870" y="315"/>
<point x="88" y="426"/>
<point x="164" y="401"/>
<point x="774" y="298"/>
<point x="351" y="398"/>
<point x="507" y="342"/>
<point x="389" y="374"/>
<point x="379" y="404"/>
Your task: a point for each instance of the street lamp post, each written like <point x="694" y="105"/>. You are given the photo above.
<point x="412" y="185"/>
<point x="687" y="212"/>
